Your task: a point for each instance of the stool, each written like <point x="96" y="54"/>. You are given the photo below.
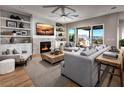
<point x="7" y="65"/>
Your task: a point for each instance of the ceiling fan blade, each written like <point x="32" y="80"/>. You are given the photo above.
<point x="54" y="16"/>
<point x="70" y="9"/>
<point x="69" y="17"/>
<point x="55" y="10"/>
<point x="67" y="14"/>
<point x="74" y="15"/>
<point x="49" y="6"/>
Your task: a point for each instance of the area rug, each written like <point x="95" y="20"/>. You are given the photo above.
<point x="44" y="74"/>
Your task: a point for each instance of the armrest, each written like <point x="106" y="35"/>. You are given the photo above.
<point x="16" y="57"/>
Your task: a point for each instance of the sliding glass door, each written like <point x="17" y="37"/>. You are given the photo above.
<point x="84" y="36"/>
<point x="90" y="35"/>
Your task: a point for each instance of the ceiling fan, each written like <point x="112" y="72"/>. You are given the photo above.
<point x="70" y="14"/>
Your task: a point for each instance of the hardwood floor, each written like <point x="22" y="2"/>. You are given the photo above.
<point x="18" y="78"/>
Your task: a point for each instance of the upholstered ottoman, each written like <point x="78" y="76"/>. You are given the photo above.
<point x="7" y="65"/>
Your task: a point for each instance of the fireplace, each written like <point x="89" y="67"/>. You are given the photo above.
<point x="45" y="46"/>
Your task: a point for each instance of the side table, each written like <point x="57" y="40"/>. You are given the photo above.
<point x="114" y="63"/>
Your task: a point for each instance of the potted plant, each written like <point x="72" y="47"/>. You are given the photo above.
<point x="96" y="42"/>
<point x="121" y="43"/>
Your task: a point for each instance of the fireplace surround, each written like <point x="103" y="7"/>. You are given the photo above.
<point x="45" y="46"/>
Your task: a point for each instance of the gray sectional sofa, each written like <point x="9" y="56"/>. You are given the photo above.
<point x="81" y="68"/>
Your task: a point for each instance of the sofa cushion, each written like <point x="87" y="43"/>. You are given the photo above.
<point x="24" y="51"/>
<point x="67" y="45"/>
<point x="99" y="47"/>
<point x="90" y="47"/>
<point x="70" y="44"/>
<point x="8" y="51"/>
<point x="3" y="52"/>
<point x="88" y="52"/>
<point x="15" y="51"/>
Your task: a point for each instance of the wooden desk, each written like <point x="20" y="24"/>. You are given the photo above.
<point x="114" y="63"/>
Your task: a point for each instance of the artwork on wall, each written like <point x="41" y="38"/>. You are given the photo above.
<point x="71" y="35"/>
<point x="44" y="29"/>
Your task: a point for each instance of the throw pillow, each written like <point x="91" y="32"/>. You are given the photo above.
<point x="4" y="53"/>
<point x="67" y="45"/>
<point x="99" y="47"/>
<point x="15" y="51"/>
<point x="90" y="47"/>
<point x="8" y="52"/>
<point x="24" y="51"/>
<point x="104" y="46"/>
<point x="71" y="44"/>
<point x="88" y="52"/>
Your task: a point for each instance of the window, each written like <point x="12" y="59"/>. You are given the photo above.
<point x="71" y="35"/>
<point x="97" y="35"/>
<point x="90" y="35"/>
<point x="84" y="36"/>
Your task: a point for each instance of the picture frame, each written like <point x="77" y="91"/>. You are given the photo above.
<point x="24" y="33"/>
<point x="18" y="33"/>
<point x="11" y="23"/>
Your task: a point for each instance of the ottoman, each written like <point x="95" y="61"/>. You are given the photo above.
<point x="7" y="65"/>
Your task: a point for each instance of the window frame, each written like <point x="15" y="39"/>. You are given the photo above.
<point x="90" y="33"/>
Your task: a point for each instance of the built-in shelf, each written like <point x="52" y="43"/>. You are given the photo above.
<point x="14" y="28"/>
<point x="60" y="36"/>
<point x="15" y="37"/>
<point x="60" y="32"/>
<point x="5" y="18"/>
<point x="61" y="41"/>
<point x="5" y="36"/>
<point x="18" y="43"/>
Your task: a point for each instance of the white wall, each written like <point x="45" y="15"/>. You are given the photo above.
<point x="37" y="38"/>
<point x="110" y="26"/>
<point x="36" y="19"/>
<point x="121" y="26"/>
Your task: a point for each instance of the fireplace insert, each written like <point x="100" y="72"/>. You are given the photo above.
<point x="45" y="46"/>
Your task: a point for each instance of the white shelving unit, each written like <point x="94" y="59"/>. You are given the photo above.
<point x="14" y="28"/>
<point x="23" y="41"/>
<point x="5" y="36"/>
<point x="60" y="32"/>
<point x="60" y="35"/>
<point x="5" y="18"/>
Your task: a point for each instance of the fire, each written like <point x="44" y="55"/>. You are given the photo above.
<point x="45" y="48"/>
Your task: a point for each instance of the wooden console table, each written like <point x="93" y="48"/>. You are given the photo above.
<point x="114" y="63"/>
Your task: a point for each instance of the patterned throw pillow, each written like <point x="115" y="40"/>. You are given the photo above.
<point x="8" y="52"/>
<point x="4" y="53"/>
<point x="24" y="51"/>
<point x="15" y="51"/>
<point x="88" y="52"/>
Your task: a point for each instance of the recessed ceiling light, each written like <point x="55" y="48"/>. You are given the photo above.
<point x="114" y="7"/>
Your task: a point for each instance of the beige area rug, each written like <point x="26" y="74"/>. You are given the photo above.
<point x="44" y="74"/>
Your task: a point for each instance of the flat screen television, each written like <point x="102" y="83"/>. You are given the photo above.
<point x="44" y="29"/>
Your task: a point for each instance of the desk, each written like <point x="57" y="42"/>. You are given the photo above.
<point x="114" y="63"/>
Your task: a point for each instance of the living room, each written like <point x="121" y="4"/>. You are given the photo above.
<point x="61" y="45"/>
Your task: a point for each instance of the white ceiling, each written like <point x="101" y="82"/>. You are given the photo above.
<point x="84" y="11"/>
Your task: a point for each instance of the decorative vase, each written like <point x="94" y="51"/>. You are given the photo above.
<point x="21" y="25"/>
<point x="11" y="40"/>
